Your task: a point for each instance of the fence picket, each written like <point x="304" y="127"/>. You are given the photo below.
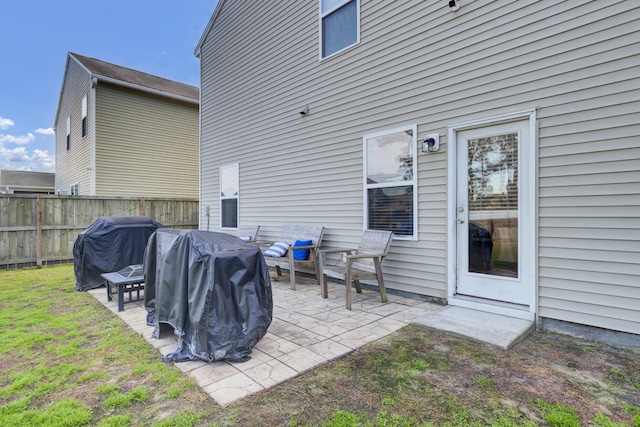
<point x="41" y="229"/>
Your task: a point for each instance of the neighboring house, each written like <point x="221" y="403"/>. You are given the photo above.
<point x="525" y="198"/>
<point x="22" y="182"/>
<point x="122" y="132"/>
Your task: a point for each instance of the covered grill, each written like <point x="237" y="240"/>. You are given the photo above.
<point x="110" y="244"/>
<point x="212" y="288"/>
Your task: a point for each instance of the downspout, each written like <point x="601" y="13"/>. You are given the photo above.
<point x="200" y="152"/>
<point x="92" y="139"/>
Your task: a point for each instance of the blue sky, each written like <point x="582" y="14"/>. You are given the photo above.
<point x="153" y="36"/>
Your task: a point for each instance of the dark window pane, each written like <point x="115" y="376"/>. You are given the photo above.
<point x="340" y="29"/>
<point x="229" y="212"/>
<point x="391" y="209"/>
<point x="84" y="126"/>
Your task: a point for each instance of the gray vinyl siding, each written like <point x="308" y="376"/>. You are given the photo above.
<point x="577" y="63"/>
<point x="146" y="145"/>
<point x="72" y="166"/>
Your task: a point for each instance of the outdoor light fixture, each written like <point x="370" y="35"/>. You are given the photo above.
<point x="431" y="143"/>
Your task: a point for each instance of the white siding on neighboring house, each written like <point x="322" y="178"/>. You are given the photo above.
<point x="417" y="62"/>
<point x="72" y="165"/>
<point x="146" y="144"/>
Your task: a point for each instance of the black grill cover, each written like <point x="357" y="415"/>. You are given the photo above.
<point x="480" y="249"/>
<point x="108" y="245"/>
<point x="213" y="288"/>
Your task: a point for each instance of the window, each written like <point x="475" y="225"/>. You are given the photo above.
<point x="229" y="188"/>
<point x="339" y="25"/>
<point x="84" y="116"/>
<point x="390" y="182"/>
<point x="68" y="133"/>
<point x="74" y="190"/>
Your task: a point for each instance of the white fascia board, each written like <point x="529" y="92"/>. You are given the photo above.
<point x="214" y="16"/>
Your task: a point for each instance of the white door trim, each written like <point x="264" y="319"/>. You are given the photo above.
<point x="526" y="312"/>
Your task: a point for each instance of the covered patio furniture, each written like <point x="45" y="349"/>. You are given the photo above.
<point x="364" y="262"/>
<point x="212" y="288"/>
<point x="109" y="245"/>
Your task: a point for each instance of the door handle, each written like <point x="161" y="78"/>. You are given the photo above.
<point x="461" y="221"/>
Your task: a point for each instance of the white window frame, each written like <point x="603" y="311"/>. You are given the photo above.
<point x="323" y="15"/>
<point x="68" y="140"/>
<point x="413" y="182"/>
<point x="231" y="166"/>
<point x="74" y="190"/>
<point x="84" y="116"/>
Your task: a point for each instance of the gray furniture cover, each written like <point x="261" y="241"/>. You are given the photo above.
<point x="212" y="288"/>
<point x="110" y="244"/>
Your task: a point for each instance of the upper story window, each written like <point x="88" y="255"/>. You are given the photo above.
<point x="68" y="133"/>
<point x="84" y="116"/>
<point x="390" y="182"/>
<point x="229" y="189"/>
<point x="339" y="25"/>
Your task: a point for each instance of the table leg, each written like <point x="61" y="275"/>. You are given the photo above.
<point x="120" y="299"/>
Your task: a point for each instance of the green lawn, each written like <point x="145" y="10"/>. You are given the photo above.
<point x="65" y="360"/>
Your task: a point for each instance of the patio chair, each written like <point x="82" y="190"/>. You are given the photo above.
<point x="365" y="262"/>
<point x="248" y="233"/>
<point x="296" y="247"/>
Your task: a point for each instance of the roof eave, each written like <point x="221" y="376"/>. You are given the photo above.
<point x="122" y="83"/>
<point x="214" y="16"/>
<point x="64" y="79"/>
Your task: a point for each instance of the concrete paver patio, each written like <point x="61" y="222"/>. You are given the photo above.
<point x="306" y="332"/>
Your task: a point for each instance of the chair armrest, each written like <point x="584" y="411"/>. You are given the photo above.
<point x="323" y="252"/>
<point x="330" y="251"/>
<point x="295" y="248"/>
<point x="365" y="256"/>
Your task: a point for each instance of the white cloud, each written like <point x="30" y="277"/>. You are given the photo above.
<point x="47" y="131"/>
<point x="17" y="155"/>
<point x="5" y="123"/>
<point x="19" y="159"/>
<point x="42" y="157"/>
<point x="21" y="139"/>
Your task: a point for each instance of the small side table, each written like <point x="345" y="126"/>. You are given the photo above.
<point x="129" y="281"/>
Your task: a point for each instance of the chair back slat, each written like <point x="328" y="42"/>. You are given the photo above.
<point x="372" y="242"/>
<point x="291" y="233"/>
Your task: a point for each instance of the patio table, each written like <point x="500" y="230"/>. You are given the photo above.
<point x="129" y="281"/>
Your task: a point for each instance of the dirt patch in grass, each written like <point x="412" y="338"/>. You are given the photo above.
<point x="430" y="377"/>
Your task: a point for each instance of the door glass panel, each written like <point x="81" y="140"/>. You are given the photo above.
<point x="493" y="205"/>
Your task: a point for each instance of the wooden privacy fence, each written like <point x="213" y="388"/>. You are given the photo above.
<point x="39" y="229"/>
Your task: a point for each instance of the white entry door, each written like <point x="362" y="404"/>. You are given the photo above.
<point x="493" y="213"/>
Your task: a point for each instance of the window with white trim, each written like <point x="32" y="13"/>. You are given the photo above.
<point x="74" y="190"/>
<point x="68" y="133"/>
<point x="390" y="182"/>
<point x="339" y="25"/>
<point x="84" y="116"/>
<point x="229" y="191"/>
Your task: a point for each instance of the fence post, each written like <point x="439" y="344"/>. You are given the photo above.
<point x="39" y="230"/>
<point x="143" y="207"/>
